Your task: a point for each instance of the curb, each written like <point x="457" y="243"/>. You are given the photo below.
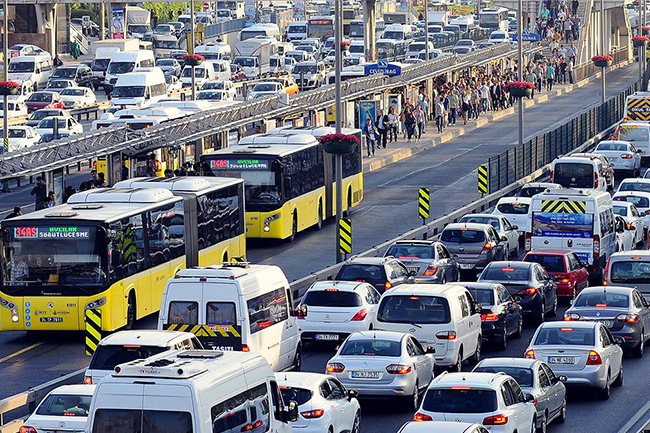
<point x="377" y="163"/>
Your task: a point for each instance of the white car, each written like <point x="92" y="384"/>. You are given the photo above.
<point x="639" y="199"/>
<point x="516" y="209"/>
<point x="502" y="226"/>
<point x="442" y="427"/>
<point x="63" y="409"/>
<point x="226" y="85"/>
<point x="213" y="95"/>
<point x="332" y="310"/>
<point x="534" y="188"/>
<point x="622" y="155"/>
<point x="384" y="363"/>
<point x="493" y="399"/>
<point x="14" y="109"/>
<point x="21" y="137"/>
<point x="499" y="36"/>
<point x="585" y="352"/>
<point x="633" y="218"/>
<point x="41" y="114"/>
<point x="67" y="126"/>
<point x="330" y="59"/>
<point x="625" y="236"/>
<point x="173" y="83"/>
<point x="266" y="88"/>
<point x="634" y="184"/>
<point x="324" y="405"/>
<point x="77" y="97"/>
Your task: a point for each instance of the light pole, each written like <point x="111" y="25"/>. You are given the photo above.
<point x="602" y="46"/>
<point x="190" y="49"/>
<point x="426" y="29"/>
<point x="520" y="69"/>
<point x="5" y="49"/>
<point x="338" y="158"/>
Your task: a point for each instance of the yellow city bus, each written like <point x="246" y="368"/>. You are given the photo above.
<point x="289" y="181"/>
<point x="111" y="250"/>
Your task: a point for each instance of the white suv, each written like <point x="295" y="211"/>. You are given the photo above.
<point x="492" y="399"/>
<point x="332" y="310"/>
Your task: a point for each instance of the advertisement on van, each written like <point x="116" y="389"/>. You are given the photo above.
<point x="564" y="225"/>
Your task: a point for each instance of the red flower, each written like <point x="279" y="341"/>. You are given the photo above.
<point x="518" y="85"/>
<point x="645" y="27"/>
<point x="640" y="39"/>
<point x="345" y="44"/>
<point x="604" y="58"/>
<point x="193" y="57"/>
<point x="9" y="85"/>
<point x="338" y="138"/>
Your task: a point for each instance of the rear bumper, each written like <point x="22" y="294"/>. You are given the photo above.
<point x="564" y="289"/>
<point x="492" y="331"/>
<point x="400" y="386"/>
<point x="591" y="376"/>
<point x="631" y="335"/>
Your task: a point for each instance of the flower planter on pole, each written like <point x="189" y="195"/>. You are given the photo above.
<point x="193" y="59"/>
<point x="602" y="61"/>
<point x="9" y="88"/>
<point x="339" y="144"/>
<point x="519" y="89"/>
<point x="640" y="41"/>
<point x="646" y="30"/>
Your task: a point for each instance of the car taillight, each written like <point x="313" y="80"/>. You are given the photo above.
<point x="313" y="413"/>
<point x="571" y="316"/>
<point x="486" y="247"/>
<point x="596" y="179"/>
<point x="528" y="292"/>
<point x="527" y="242"/>
<point x="387" y="285"/>
<point x="421" y="417"/>
<point x="626" y="156"/>
<point x="596" y="245"/>
<point x="446" y="335"/>
<point x="431" y="270"/>
<point x="398" y="369"/>
<point x="627" y="318"/>
<point x="594" y="358"/>
<point x="246" y="427"/>
<point x="551" y="176"/>
<point x="335" y="367"/>
<point x="245" y="348"/>
<point x="495" y="420"/>
<point x="27" y="429"/>
<point x="530" y="354"/>
<point x="361" y="314"/>
<point x="489" y="317"/>
<point x="88" y="380"/>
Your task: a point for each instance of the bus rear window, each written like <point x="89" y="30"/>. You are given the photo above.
<point x="574" y="175"/>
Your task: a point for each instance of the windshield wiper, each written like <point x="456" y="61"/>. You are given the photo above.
<point x="415" y="324"/>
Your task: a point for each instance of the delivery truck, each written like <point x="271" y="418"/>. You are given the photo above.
<point x="253" y="55"/>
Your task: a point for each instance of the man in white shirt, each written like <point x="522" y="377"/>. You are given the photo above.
<point x="485" y="97"/>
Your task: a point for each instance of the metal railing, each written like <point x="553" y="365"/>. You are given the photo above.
<point x="224" y="27"/>
<point x="544" y="148"/>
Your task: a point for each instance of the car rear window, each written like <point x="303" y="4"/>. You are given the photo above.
<point x="402" y="251"/>
<point x="107" y="357"/>
<point x="565" y="336"/>
<point x="574" y="175"/>
<point x="619" y="147"/>
<point x="620" y="210"/>
<point x="494" y="222"/>
<point x="500" y="273"/>
<point x="640" y="202"/>
<point x="414" y="309"/>
<point x="463" y="236"/>
<point x="460" y="400"/>
<point x="483" y="296"/>
<point x="602" y="300"/>
<point x="65" y="405"/>
<point x="372" y="348"/>
<point x="513" y="208"/>
<point x="531" y="191"/>
<point x="630" y="272"/>
<point x="358" y="272"/>
<point x="635" y="186"/>
<point x="632" y="133"/>
<point x="523" y="376"/>
<point x="299" y="395"/>
<point x="332" y="298"/>
<point x="549" y="262"/>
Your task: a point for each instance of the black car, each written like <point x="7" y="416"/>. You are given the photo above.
<point x="501" y="316"/>
<point x="528" y="283"/>
<point x="382" y="272"/>
<point x="80" y="74"/>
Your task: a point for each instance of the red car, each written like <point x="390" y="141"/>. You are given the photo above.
<point x="43" y="99"/>
<point x="564" y="267"/>
<point x="237" y="72"/>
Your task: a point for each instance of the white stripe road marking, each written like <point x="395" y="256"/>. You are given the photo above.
<point x="637" y="416"/>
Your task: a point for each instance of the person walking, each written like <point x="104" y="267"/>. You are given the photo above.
<point x="382" y="126"/>
<point x="419" y="120"/>
<point x="569" y="69"/>
<point x="453" y="107"/>
<point x="393" y="118"/>
<point x="370" y="131"/>
<point x="409" y="122"/>
<point x="440" y="114"/>
<point x="550" y="76"/>
<point x="39" y="192"/>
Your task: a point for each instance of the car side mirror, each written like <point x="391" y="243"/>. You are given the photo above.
<point x="412" y="273"/>
<point x="619" y="340"/>
<point x="515" y="227"/>
<point x="290" y="413"/>
<point x="530" y="398"/>
<point x="562" y="378"/>
<point x="504" y="239"/>
<point x="430" y="349"/>
<point x="352" y="394"/>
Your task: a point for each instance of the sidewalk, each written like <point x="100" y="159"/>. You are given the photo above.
<point x="402" y="150"/>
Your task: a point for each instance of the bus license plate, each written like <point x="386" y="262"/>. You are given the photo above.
<point x="51" y="319"/>
<point x="328" y="337"/>
<point x="364" y="374"/>
<point x="561" y="360"/>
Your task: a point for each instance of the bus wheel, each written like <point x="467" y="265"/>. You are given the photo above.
<point x="294" y="228"/>
<point x="130" y="312"/>
<point x="225" y="258"/>
<point x="319" y="224"/>
<point x="346" y="213"/>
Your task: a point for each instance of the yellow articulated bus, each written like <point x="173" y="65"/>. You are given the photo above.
<point x="111" y="250"/>
<point x="289" y="181"/>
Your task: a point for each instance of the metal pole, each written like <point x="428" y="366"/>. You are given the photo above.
<point x="338" y="57"/>
<point x="190" y="49"/>
<point x="426" y="28"/>
<point x="520" y="69"/>
<point x="102" y="23"/>
<point x="602" y="47"/>
<point x="5" y="105"/>
<point x="193" y="83"/>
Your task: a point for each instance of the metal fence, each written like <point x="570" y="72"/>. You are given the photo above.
<point x="515" y="163"/>
<point x="224" y="27"/>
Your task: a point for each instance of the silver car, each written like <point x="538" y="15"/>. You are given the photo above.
<point x="384" y="363"/>
<point x="536" y="378"/>
<point x="585" y="352"/>
<point x="430" y="261"/>
<point x="503" y="228"/>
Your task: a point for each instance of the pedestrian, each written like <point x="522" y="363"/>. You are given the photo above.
<point x="453" y="107"/>
<point x="16" y="212"/>
<point x="69" y="191"/>
<point x="74" y="49"/>
<point x="419" y="120"/>
<point x="575" y="4"/>
<point x="568" y="30"/>
<point x="440" y="115"/>
<point x="52" y="197"/>
<point x="382" y="127"/>
<point x="169" y="173"/>
<point x="465" y="105"/>
<point x="550" y="76"/>
<point x="393" y="118"/>
<point x="563" y="70"/>
<point x="370" y="131"/>
<point x="39" y="192"/>
<point x="47" y="203"/>
<point x="409" y="122"/>
<point x="569" y="69"/>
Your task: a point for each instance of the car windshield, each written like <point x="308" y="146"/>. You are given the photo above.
<point x="49" y="123"/>
<point x="108" y="356"/>
<point x="59" y="84"/>
<point x="460" y="400"/>
<point x="604" y="300"/>
<point x="552" y="263"/>
<point x="40" y="97"/>
<point x="166" y="45"/>
<point x="210" y="85"/>
<point x="402" y="251"/>
<point x="462" y="50"/>
<point x="513" y="208"/>
<point x="463" y="236"/>
<point x="633" y="133"/>
<point x="128" y="92"/>
<point x="65" y="405"/>
<point x="639" y="202"/>
<point x="332" y="298"/>
<point x="265" y="87"/>
<point x="360" y="272"/>
<point x="494" y="222"/>
<point x="210" y="95"/>
<point x="523" y="376"/>
<point x="19" y="67"/>
<point x="630" y="272"/>
<point x="64" y="73"/>
<point x="73" y="92"/>
<point x="635" y="186"/>
<point x="120" y="67"/>
<point x="565" y="336"/>
<point x="246" y="62"/>
<point x="414" y="309"/>
<point x="499" y="273"/>
<point x="483" y="296"/>
<point x="304" y="69"/>
<point x="14" y="133"/>
<point x="374" y="347"/>
<point x="165" y="62"/>
<point x="299" y="395"/>
<point x="530" y="191"/>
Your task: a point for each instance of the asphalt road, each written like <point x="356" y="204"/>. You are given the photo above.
<point x="388" y="209"/>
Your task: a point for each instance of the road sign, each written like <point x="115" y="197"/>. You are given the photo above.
<point x="345" y="236"/>
<point x="206" y="6"/>
<point x="483" y="179"/>
<point x="383" y="67"/>
<point x="423" y="203"/>
<point x="93" y="319"/>
<point x="528" y="36"/>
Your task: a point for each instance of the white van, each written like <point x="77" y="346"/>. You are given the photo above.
<point x="202" y="73"/>
<point x="124" y="62"/>
<point x="297" y="30"/>
<point x="221" y="69"/>
<point x="578" y="221"/>
<point x="267" y="30"/>
<point x="579" y="172"/>
<point x="99" y="66"/>
<point x="440" y="315"/>
<point x="126" y="346"/>
<point x="398" y="32"/>
<point x="215" y="51"/>
<point x="139" y="88"/>
<point x="196" y="391"/>
<point x="36" y="70"/>
<point x="638" y="133"/>
<point x="629" y="269"/>
<point x="238" y="307"/>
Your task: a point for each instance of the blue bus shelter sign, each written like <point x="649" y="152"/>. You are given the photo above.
<point x="528" y="36"/>
<point x="383" y="67"/>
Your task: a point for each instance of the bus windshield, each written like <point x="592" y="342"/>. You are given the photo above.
<point x="38" y="257"/>
<point x="21" y="67"/>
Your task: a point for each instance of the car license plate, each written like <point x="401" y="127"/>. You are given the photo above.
<point x="51" y="319"/>
<point x="466" y="266"/>
<point x="561" y="360"/>
<point x="328" y="337"/>
<point x="365" y="374"/>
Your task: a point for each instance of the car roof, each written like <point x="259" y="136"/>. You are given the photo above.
<point x="508" y="362"/>
<point x="301" y="379"/>
<point x="79" y="389"/>
<point x="607" y="289"/>
<point x="368" y="260"/>
<point x="512" y="200"/>
<point x="468" y="379"/>
<point x="342" y="286"/>
<point x="551" y="252"/>
<point x="512" y="264"/>
<point x="375" y="334"/>
<point x="483" y="215"/>
<point x="629" y="254"/>
<point x="145" y="337"/>
<point x="470" y="226"/>
<point x="424" y="289"/>
<point x="542" y="184"/>
<point x="635" y="180"/>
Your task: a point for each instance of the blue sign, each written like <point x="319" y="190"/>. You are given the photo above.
<point x="382" y="67"/>
<point x="528" y="36"/>
<point x="563" y="225"/>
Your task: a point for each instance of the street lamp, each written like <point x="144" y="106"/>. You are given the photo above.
<point x="338" y="158"/>
<point x="602" y="47"/>
<point x="520" y="69"/>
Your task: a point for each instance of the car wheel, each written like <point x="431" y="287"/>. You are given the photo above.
<point x="476" y="357"/>
<point x="356" y="424"/>
<point x="604" y="394"/>
<point x="412" y="403"/>
<point x="542" y="426"/>
<point x="619" y="378"/>
<point x="637" y="351"/>
<point x="553" y="311"/>
<point x="562" y="418"/>
<point x="541" y="315"/>
<point x="297" y="359"/>
<point x="520" y="328"/>
<point x="457" y="367"/>
<point x="503" y="341"/>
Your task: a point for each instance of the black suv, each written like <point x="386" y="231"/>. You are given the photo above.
<point x="80" y="74"/>
<point x="382" y="272"/>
